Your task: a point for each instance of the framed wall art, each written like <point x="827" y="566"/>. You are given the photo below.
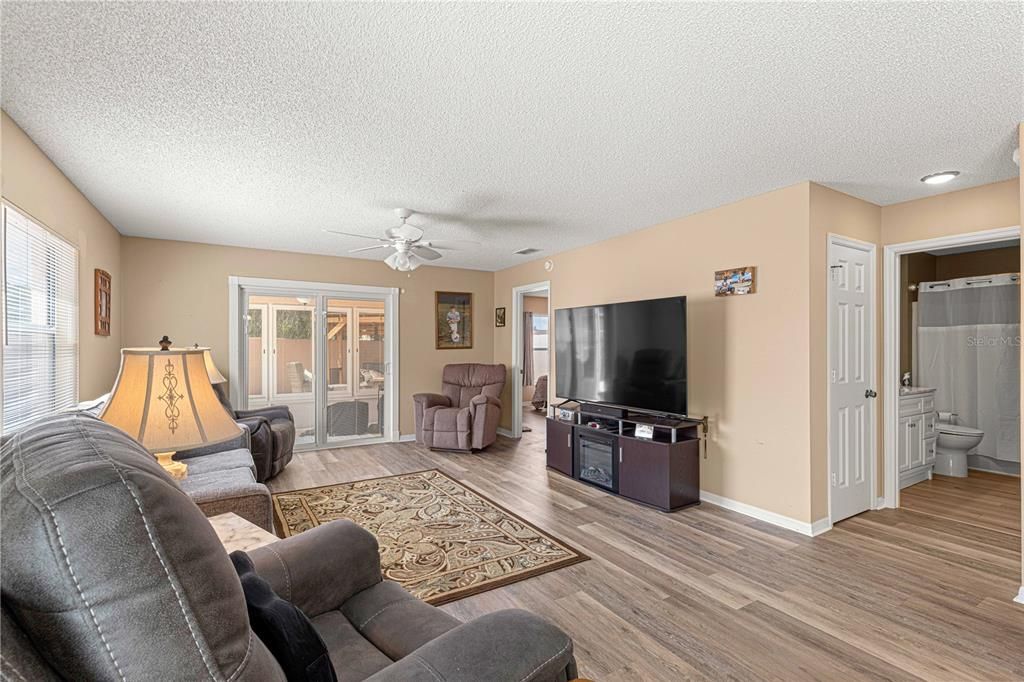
<point x="736" y="282"/>
<point x="453" y="320"/>
<point x="101" y="313"/>
<point x="499" y="317"/>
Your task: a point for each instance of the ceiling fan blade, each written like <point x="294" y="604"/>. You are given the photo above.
<point x="404" y="231"/>
<point x="425" y="252"/>
<point x="451" y="244"/>
<point x="370" y="248"/>
<point x="353" y="234"/>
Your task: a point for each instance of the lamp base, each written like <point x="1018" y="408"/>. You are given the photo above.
<point x="176" y="470"/>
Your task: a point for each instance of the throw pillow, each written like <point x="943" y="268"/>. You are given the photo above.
<point x="283" y="628"/>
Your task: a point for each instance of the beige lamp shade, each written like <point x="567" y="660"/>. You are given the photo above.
<point x="164" y="400"/>
<point x="211" y="369"/>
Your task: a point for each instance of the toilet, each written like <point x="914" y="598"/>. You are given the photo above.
<point x="952" y="446"/>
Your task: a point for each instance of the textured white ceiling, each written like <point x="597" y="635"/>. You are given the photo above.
<point x="516" y="125"/>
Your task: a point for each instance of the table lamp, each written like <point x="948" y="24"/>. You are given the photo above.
<point x="164" y="400"/>
<point x="215" y="376"/>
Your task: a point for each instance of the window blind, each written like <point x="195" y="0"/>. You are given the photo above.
<point x="40" y="361"/>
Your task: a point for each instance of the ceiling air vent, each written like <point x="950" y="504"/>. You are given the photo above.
<point x="526" y="252"/>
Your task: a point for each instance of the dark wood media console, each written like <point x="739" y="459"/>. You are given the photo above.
<point x="663" y="472"/>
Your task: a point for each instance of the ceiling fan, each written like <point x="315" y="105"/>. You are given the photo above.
<point x="409" y="249"/>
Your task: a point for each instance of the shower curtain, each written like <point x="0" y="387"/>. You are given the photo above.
<point x="969" y="351"/>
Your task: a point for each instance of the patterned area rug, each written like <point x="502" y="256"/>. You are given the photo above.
<point x="440" y="539"/>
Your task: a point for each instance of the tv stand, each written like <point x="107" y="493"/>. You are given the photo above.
<point x="602" y="450"/>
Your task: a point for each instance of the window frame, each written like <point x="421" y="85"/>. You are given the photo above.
<point x="5" y="207"/>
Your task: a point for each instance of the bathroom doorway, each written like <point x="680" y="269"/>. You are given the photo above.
<point x="531" y="358"/>
<point x="952" y="377"/>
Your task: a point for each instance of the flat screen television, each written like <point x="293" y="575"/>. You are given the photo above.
<point x="624" y="354"/>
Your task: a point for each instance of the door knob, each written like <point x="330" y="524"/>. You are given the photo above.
<point x="870" y="394"/>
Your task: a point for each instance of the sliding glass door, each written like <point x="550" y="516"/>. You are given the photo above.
<point x="281" y="359"/>
<point x="354" y="338"/>
<point x="324" y="353"/>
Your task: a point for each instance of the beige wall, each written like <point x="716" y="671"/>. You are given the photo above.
<point x="832" y="212"/>
<point x="33" y="184"/>
<point x="181" y="289"/>
<point x="748" y="366"/>
<point x="969" y="210"/>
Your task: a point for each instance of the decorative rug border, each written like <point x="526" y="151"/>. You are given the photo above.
<point x="453" y="595"/>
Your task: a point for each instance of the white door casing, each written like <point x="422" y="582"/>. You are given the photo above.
<point x="852" y="377"/>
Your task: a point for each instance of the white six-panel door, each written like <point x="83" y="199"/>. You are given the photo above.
<point x="852" y="375"/>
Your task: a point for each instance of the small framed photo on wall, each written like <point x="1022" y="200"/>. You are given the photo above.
<point x="453" y="320"/>
<point x="736" y="282"/>
<point x="499" y="317"/>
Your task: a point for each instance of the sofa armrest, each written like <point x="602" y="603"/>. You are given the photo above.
<point x="427" y="400"/>
<point x="485" y="400"/>
<point x="270" y="412"/>
<point x="261" y="445"/>
<point x="319" y="569"/>
<point x="504" y="645"/>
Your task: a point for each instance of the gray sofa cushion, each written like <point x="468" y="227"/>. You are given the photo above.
<point x="353" y="657"/>
<point x="396" y="622"/>
<point x="109" y="568"/>
<point x="221" y="461"/>
<point x="231" y="490"/>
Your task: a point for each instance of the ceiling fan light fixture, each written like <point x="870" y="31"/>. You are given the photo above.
<point x="402" y="261"/>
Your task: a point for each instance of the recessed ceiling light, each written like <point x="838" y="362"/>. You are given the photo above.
<point x="940" y="178"/>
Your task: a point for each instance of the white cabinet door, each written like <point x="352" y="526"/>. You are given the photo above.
<point x="929" y="451"/>
<point x="914" y="441"/>
<point x="928" y="429"/>
<point x="904" y="437"/>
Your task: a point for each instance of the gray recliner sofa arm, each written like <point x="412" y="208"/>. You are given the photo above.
<point x="421" y="403"/>
<point x="319" y="569"/>
<point x="508" y="645"/>
<point x="270" y="412"/>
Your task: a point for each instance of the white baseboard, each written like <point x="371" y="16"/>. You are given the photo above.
<point x="821" y="526"/>
<point x="1020" y="595"/>
<point x="504" y="432"/>
<point x="407" y="438"/>
<point x="879" y="503"/>
<point x="810" y="529"/>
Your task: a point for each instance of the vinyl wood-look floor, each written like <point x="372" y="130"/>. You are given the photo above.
<point x="917" y="593"/>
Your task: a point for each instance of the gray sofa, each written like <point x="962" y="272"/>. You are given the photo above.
<point x="221" y="478"/>
<point x="465" y="415"/>
<point x="109" y="571"/>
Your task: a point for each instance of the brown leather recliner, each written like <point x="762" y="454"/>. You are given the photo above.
<point x="465" y="415"/>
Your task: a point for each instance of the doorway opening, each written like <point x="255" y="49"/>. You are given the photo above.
<point x="531" y="358"/>
<point x="952" y="378"/>
<point x="325" y="351"/>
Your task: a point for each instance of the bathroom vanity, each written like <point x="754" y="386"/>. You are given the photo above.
<point x="916" y="435"/>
